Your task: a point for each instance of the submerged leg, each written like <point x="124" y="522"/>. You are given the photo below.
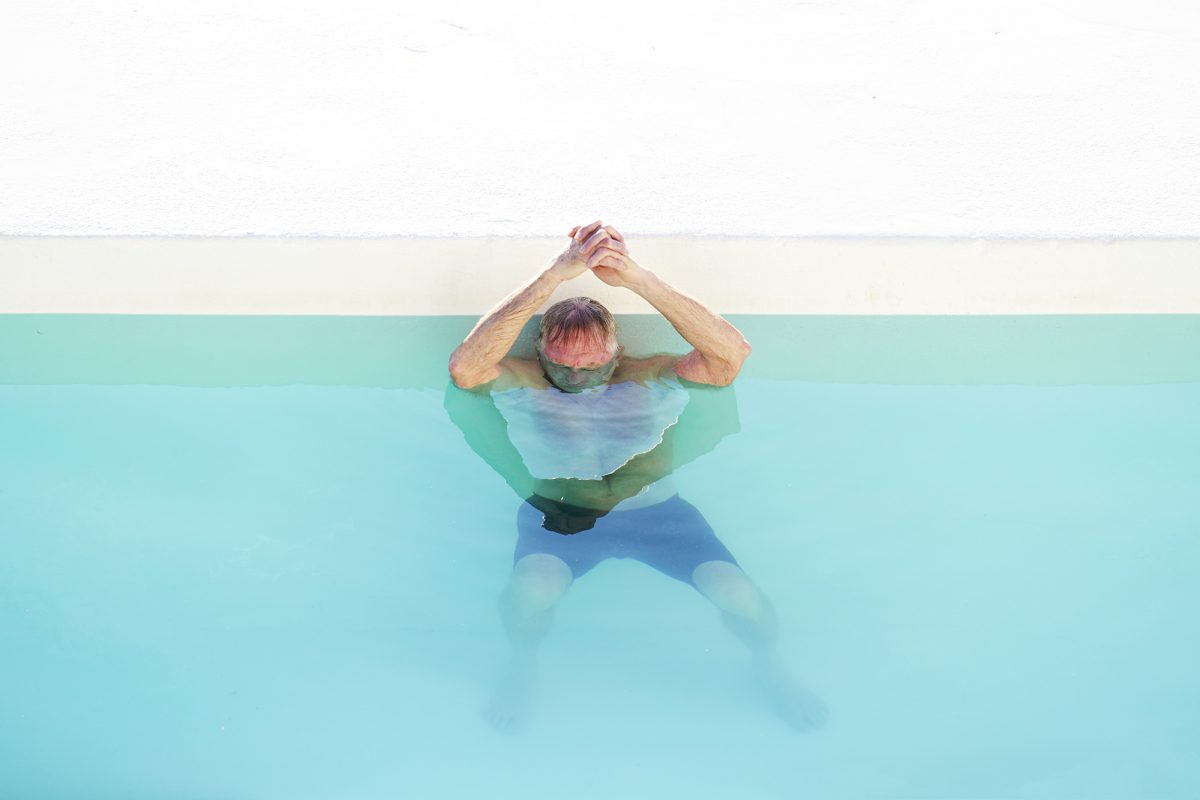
<point x="749" y="616"/>
<point x="538" y="582"/>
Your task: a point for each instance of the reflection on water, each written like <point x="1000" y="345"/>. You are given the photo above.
<point x="539" y="440"/>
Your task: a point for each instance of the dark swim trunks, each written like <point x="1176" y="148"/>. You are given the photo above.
<point x="671" y="536"/>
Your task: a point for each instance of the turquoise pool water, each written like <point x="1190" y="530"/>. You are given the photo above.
<point x="254" y="557"/>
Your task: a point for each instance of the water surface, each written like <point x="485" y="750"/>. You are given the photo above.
<point x="253" y="557"/>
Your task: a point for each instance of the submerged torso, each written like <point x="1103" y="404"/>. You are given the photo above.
<point x="603" y="448"/>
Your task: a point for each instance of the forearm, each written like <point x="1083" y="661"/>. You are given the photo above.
<point x="476" y="360"/>
<point x="718" y="343"/>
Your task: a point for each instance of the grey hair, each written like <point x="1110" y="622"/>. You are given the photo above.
<point x="577" y="319"/>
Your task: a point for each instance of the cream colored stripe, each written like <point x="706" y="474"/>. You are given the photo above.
<point x="418" y="276"/>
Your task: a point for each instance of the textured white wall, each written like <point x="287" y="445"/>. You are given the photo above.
<point x="1010" y="118"/>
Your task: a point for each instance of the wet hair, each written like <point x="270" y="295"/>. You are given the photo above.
<point x="575" y="320"/>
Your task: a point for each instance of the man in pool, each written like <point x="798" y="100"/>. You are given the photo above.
<point x="591" y="451"/>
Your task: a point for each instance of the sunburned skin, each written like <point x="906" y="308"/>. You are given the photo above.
<point x="583" y="355"/>
<point x="573" y="379"/>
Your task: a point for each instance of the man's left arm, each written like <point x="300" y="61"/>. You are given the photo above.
<point x="720" y="348"/>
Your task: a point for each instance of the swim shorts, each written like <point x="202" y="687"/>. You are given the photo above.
<point x="671" y="536"/>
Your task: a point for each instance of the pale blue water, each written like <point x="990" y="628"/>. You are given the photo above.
<point x="252" y="557"/>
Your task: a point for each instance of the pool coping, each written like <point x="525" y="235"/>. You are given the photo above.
<point x="413" y="276"/>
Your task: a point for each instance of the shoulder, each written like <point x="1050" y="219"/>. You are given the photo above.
<point x="697" y="368"/>
<point x="516" y="373"/>
<point x="646" y="368"/>
<point x="510" y="373"/>
<point x="691" y="368"/>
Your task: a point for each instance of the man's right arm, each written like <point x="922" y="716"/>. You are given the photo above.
<point x="477" y="360"/>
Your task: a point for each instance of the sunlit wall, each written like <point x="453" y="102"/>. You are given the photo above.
<point x="1012" y="118"/>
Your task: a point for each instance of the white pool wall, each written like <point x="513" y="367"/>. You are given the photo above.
<point x="832" y="156"/>
<point x="416" y="276"/>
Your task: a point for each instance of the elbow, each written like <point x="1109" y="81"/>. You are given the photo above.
<point x="720" y="370"/>
<point x="460" y="375"/>
<point x="467" y="377"/>
<point x="733" y="366"/>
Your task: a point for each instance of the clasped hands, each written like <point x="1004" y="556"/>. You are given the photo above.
<point x="600" y="248"/>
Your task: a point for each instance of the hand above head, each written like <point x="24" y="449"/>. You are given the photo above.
<point x="572" y="261"/>
<point x="611" y="263"/>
